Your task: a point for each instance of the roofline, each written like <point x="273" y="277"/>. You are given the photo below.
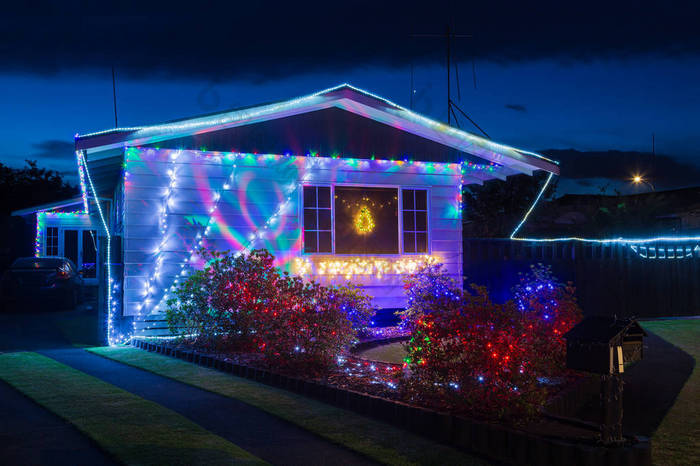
<point x="49" y="206"/>
<point x="371" y="106"/>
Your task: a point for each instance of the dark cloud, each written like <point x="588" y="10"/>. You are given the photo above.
<point x="663" y="171"/>
<point x="266" y="40"/>
<point x="54" y="149"/>
<point x="516" y="108"/>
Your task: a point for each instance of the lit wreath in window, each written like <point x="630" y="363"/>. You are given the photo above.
<point x="364" y="223"/>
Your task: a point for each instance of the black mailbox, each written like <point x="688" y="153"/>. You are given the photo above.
<point x="602" y="345"/>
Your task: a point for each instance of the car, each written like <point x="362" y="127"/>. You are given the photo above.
<point x="41" y="280"/>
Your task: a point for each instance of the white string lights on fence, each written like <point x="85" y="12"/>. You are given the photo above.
<point x="635" y="244"/>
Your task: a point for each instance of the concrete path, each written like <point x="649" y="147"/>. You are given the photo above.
<point x="262" y="434"/>
<point x="32" y="435"/>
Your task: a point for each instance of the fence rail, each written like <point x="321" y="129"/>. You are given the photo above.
<point x="612" y="279"/>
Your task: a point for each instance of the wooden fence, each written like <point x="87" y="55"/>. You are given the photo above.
<point x="612" y="279"/>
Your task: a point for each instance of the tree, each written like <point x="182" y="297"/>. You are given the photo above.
<point x="493" y="209"/>
<point x="31" y="185"/>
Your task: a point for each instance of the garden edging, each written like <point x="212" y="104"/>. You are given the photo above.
<point x="489" y="440"/>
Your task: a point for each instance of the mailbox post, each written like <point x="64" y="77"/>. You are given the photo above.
<point x="602" y="345"/>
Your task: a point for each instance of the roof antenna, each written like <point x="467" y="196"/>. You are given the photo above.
<point x="114" y="97"/>
<point x="448" y="35"/>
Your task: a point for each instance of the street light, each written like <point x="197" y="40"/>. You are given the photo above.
<point x="639" y="179"/>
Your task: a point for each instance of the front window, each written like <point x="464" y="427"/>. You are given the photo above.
<point x="365" y="220"/>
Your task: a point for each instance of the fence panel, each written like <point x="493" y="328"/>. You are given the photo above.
<point x="609" y="279"/>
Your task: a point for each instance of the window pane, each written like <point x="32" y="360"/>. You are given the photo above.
<point x="324" y="196"/>
<point x="309" y="196"/>
<point x="366" y="220"/>
<point x="422" y="242"/>
<point x="324" y="219"/>
<point x="325" y="242"/>
<point x="409" y="242"/>
<point x="51" y="241"/>
<point x="408" y="221"/>
<point x="421" y="200"/>
<point x="421" y="221"/>
<point x="89" y="254"/>
<point x="408" y="199"/>
<point x="310" y="241"/>
<point x="310" y="219"/>
<point x="70" y="245"/>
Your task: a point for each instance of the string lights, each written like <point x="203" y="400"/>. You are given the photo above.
<point x="639" y="246"/>
<point x="361" y="265"/>
<point x="394" y="109"/>
<point x="363" y="220"/>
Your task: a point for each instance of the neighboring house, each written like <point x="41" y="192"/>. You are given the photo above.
<point x="658" y="213"/>
<point x="339" y="185"/>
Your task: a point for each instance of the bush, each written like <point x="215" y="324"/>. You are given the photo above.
<point x="254" y="306"/>
<point x="483" y="358"/>
<point x="551" y="310"/>
<point x="189" y="312"/>
<point x="427" y="288"/>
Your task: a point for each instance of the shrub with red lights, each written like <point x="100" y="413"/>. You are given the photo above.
<point x="483" y="358"/>
<point x="251" y="305"/>
<point x="551" y="310"/>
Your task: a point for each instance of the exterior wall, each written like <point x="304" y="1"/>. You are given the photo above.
<point x="260" y="197"/>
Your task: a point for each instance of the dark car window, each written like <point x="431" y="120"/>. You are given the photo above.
<point x="38" y="263"/>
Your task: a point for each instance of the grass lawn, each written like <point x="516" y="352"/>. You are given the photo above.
<point x="393" y="352"/>
<point x="377" y="440"/>
<point x="133" y="430"/>
<point x="677" y="440"/>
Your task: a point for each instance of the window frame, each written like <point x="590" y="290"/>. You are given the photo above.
<point x="56" y="245"/>
<point x="415" y="231"/>
<point x="399" y="232"/>
<point x="301" y="217"/>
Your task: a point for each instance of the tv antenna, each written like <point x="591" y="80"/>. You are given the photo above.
<point x="449" y="35"/>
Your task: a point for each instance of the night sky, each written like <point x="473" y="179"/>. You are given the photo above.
<point x="593" y="81"/>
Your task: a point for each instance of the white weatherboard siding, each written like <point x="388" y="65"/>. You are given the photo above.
<point x="260" y="185"/>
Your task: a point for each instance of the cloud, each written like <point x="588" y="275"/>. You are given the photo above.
<point x="257" y="42"/>
<point x="664" y="171"/>
<point x="54" y="149"/>
<point x="516" y="108"/>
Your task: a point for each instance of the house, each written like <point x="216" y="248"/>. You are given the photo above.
<point x="339" y="185"/>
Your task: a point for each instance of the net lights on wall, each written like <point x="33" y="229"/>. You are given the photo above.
<point x="640" y="246"/>
<point x="349" y="267"/>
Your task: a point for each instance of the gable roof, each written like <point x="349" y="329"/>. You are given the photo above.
<point x="510" y="160"/>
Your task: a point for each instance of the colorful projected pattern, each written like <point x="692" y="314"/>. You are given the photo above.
<point x="178" y="201"/>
